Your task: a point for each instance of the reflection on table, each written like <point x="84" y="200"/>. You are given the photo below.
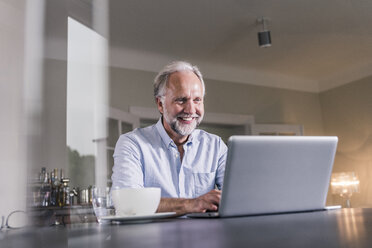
<point x="334" y="228"/>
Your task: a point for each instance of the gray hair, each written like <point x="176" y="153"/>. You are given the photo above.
<point x="161" y="79"/>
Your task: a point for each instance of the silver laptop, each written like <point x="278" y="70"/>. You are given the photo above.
<point x="275" y="174"/>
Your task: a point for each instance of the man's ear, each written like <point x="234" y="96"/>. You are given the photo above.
<point x="159" y="104"/>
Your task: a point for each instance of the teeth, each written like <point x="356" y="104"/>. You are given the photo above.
<point x="187" y="118"/>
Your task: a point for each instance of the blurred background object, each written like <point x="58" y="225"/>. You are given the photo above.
<point x="345" y="184"/>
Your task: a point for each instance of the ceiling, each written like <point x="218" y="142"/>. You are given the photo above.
<point x="316" y="45"/>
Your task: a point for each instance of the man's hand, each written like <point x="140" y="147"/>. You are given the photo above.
<point x="206" y="202"/>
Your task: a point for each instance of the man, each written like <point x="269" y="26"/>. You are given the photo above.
<point x="186" y="163"/>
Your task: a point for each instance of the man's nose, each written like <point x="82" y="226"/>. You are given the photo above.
<point x="190" y="107"/>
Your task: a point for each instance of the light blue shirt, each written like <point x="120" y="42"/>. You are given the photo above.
<point x="148" y="157"/>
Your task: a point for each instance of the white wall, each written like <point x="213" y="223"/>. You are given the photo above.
<point x="347" y="112"/>
<point x="12" y="164"/>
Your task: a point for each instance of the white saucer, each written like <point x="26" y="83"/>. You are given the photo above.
<point x="139" y="217"/>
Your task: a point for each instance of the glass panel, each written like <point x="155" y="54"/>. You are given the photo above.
<point x="82" y="171"/>
<point x="86" y="105"/>
<point x="113" y="132"/>
<point x="147" y="122"/>
<point x="110" y="164"/>
<point x="126" y="127"/>
<point x="287" y="134"/>
<point x="224" y="131"/>
<point x="268" y="133"/>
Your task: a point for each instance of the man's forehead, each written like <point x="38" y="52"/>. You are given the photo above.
<point x="183" y="76"/>
<point x="183" y="80"/>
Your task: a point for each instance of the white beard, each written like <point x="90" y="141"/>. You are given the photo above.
<point x="177" y="126"/>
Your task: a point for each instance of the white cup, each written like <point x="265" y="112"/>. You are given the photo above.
<point x="135" y="201"/>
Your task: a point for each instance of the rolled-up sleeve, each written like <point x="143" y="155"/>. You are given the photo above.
<point x="128" y="169"/>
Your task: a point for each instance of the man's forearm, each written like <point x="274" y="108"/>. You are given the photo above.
<point x="208" y="201"/>
<point x="179" y="205"/>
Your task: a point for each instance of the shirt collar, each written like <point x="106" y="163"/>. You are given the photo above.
<point x="163" y="134"/>
<point x="167" y="140"/>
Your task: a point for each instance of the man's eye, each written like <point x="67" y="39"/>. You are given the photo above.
<point x="180" y="100"/>
<point x="197" y="100"/>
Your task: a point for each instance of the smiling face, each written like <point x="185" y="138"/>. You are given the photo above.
<point x="182" y="105"/>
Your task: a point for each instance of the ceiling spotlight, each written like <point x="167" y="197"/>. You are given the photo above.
<point x="264" y="37"/>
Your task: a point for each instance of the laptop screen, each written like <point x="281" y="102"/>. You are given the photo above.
<point x="273" y="174"/>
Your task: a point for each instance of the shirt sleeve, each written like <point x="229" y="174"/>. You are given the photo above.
<point x="128" y="169"/>
<point x="222" y="154"/>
